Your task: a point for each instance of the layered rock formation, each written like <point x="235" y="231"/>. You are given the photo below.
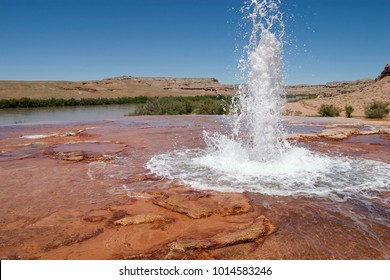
<point x="331" y="88"/>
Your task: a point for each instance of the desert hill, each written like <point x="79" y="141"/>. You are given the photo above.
<point x="358" y="98"/>
<point x="113" y="87"/>
<point x="159" y="86"/>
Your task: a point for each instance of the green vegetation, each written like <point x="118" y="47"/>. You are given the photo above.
<point x="170" y="105"/>
<point x="180" y="105"/>
<point x="348" y="111"/>
<point x="377" y="109"/>
<point x="26" y="102"/>
<point x="292" y="113"/>
<point x="329" y="111"/>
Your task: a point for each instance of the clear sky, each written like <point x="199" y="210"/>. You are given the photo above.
<point x="327" y="40"/>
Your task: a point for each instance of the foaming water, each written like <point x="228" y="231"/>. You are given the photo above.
<point x="253" y="156"/>
<point x="298" y="172"/>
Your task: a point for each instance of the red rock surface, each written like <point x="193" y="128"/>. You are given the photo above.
<point x="62" y="195"/>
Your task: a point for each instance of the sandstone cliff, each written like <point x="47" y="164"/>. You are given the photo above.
<point x="330" y="89"/>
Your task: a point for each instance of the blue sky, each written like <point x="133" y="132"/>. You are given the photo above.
<point x="326" y="40"/>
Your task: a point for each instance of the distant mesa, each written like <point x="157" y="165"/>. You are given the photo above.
<point x="115" y="87"/>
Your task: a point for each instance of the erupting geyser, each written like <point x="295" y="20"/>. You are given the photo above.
<point x="254" y="155"/>
<point x="260" y="101"/>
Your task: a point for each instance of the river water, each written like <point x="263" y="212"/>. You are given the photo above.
<point x="64" y="114"/>
<point x="67" y="114"/>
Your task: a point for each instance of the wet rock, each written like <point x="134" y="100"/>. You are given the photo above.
<point x="149" y="256"/>
<point x="144" y="177"/>
<point x="339" y="133"/>
<point x="57" y="134"/>
<point x="260" y="228"/>
<point x="21" y="151"/>
<point x="308" y="227"/>
<point x="139" y="219"/>
<point x="94" y="218"/>
<point x="38" y="136"/>
<point x="85" y="151"/>
<point x="196" y="204"/>
<point x="384" y="131"/>
<point x="73" y="239"/>
<point x="79" y="156"/>
<point x="302" y="137"/>
<point x="331" y="134"/>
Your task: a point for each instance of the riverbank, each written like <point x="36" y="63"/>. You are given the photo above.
<point x="127" y="89"/>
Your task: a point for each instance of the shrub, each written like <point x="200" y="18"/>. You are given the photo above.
<point x="169" y="105"/>
<point x="377" y="109"/>
<point x="180" y="105"/>
<point x="26" y="102"/>
<point x="348" y="111"/>
<point x="329" y="111"/>
<point x="297" y="113"/>
<point x="292" y="113"/>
